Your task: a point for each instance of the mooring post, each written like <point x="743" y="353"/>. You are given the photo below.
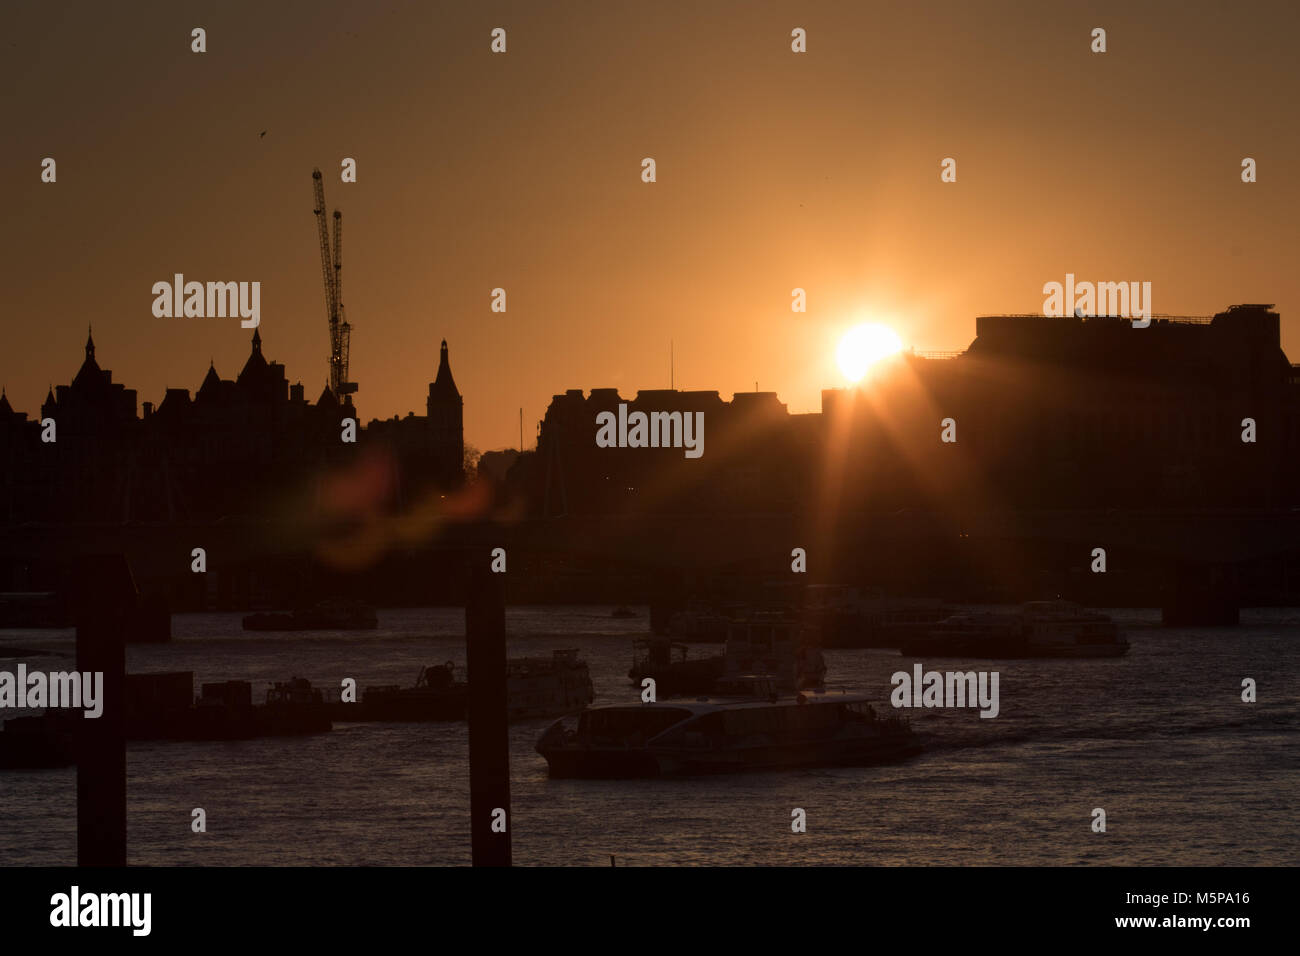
<point x="489" y="739"/>
<point x="105" y="600"/>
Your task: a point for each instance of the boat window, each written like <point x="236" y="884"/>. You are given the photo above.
<point x="754" y="720"/>
<point x="709" y="724"/>
<point x="814" y="716"/>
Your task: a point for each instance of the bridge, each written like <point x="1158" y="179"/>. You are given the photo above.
<point x="1199" y="565"/>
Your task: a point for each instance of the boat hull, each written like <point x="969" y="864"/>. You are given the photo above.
<point x="569" y="761"/>
<point x="406" y="707"/>
<point x="601" y="764"/>
<point x="1006" y="649"/>
<point x="862" y="753"/>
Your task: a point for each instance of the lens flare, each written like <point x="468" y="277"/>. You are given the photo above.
<point x="863" y="346"/>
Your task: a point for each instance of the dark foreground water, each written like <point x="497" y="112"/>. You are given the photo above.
<point x="1186" y="772"/>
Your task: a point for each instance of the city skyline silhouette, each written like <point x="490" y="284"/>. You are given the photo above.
<point x="775" y="171"/>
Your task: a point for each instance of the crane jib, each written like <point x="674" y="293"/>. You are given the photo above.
<point x="331" y="258"/>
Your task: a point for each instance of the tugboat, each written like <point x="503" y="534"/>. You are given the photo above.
<point x="704" y="623"/>
<point x="653" y="657"/>
<point x="437" y="695"/>
<point x="325" y="616"/>
<point x="775" y="645"/>
<point x="724" y="735"/>
<point x="293" y="707"/>
<point x="763" y="643"/>
<point x="1036" y="629"/>
<point x="535" y="687"/>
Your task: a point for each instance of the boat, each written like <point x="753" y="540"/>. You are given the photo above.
<point x="163" y="707"/>
<point x="622" y="612"/>
<point x="774" y="644"/>
<point x="333" y="615"/>
<point x="547" y="686"/>
<point x="763" y="643"/>
<point x="852" y="617"/>
<point x="437" y="695"/>
<point x="703" y="622"/>
<point x="535" y="687"/>
<point x="293" y="707"/>
<point x="708" y="735"/>
<point x="653" y="657"/>
<point x="1036" y="629"/>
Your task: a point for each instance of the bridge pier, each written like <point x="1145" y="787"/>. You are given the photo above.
<point x="1201" y="594"/>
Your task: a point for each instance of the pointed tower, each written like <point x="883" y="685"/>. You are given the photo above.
<point x="253" y="376"/>
<point x="446" y="411"/>
<point x="89" y="377"/>
<point x="210" y="390"/>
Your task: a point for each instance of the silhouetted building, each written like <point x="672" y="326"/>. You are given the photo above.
<point x="248" y="446"/>
<point x="753" y="452"/>
<point x="429" y="448"/>
<point x="1045" y="412"/>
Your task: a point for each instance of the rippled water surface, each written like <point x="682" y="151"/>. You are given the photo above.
<point x="1187" y="773"/>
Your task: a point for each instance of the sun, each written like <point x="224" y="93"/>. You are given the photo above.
<point x="863" y="346"/>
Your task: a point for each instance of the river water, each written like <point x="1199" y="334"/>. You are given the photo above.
<point x="1160" y="739"/>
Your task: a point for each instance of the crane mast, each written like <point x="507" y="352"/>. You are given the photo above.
<point x="332" y="273"/>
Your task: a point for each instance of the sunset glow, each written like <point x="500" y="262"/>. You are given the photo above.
<point x="863" y="346"/>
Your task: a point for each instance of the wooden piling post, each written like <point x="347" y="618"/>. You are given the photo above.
<point x="105" y="601"/>
<point x="489" y="739"/>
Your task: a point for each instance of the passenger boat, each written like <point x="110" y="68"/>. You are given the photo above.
<point x="1036" y="629"/>
<point x="761" y="731"/>
<point x="325" y="616"/>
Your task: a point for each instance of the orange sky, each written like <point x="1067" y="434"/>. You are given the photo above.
<point x="522" y="170"/>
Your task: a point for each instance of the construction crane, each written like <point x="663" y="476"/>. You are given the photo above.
<point x="332" y="271"/>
